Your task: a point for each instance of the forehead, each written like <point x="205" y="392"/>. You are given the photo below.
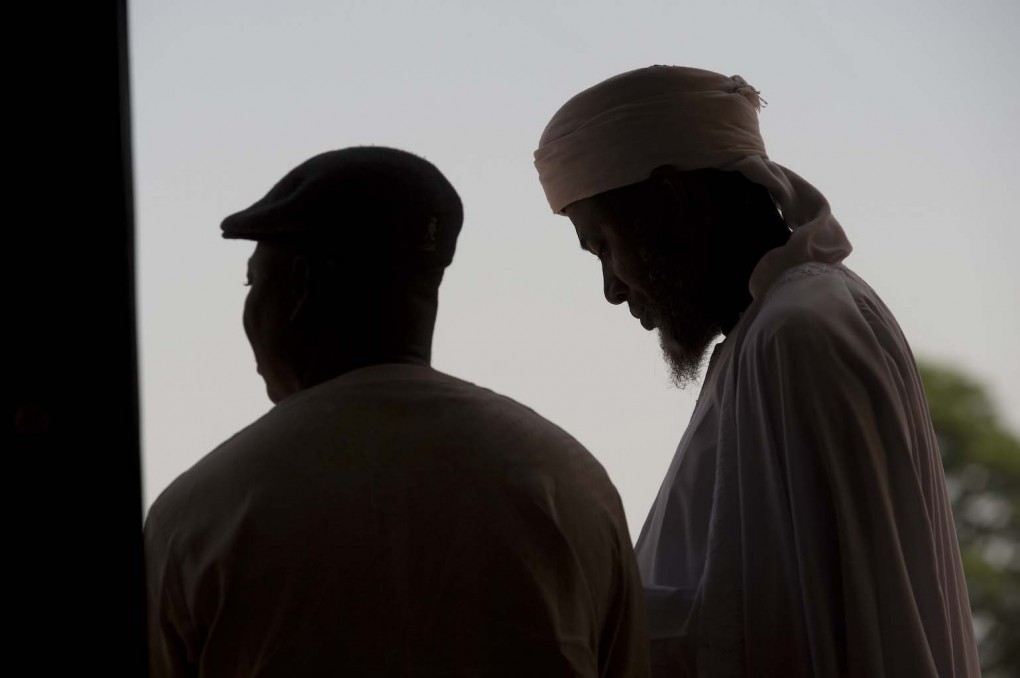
<point x="588" y="220"/>
<point x="584" y="209"/>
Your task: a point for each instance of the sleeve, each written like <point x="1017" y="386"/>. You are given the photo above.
<point x="623" y="646"/>
<point x="167" y="619"/>
<point x="823" y="536"/>
<point x="668" y="611"/>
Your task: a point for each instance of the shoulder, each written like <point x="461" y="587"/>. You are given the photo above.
<point x="491" y="412"/>
<point x="814" y="304"/>
<point x="530" y="453"/>
<point x="516" y="467"/>
<point x="211" y="481"/>
<point x="824" y="323"/>
<point x="822" y="330"/>
<point x="222" y="479"/>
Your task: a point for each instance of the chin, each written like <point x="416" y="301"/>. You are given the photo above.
<point x="684" y="359"/>
<point x="273" y="390"/>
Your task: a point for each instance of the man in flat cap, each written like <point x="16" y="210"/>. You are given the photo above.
<point x="383" y="519"/>
<point x="803" y="527"/>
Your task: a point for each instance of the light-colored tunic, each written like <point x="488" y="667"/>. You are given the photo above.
<point x="394" y="521"/>
<point x="804" y="528"/>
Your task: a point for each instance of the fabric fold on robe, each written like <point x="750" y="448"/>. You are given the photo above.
<point x="827" y="544"/>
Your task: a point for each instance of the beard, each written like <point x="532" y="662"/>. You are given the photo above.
<point x="682" y="306"/>
<point x="685" y="338"/>
<point x="685" y="356"/>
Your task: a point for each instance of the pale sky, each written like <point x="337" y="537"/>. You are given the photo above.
<point x="904" y="113"/>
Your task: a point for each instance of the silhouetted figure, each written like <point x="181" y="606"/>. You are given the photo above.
<point x="803" y="527"/>
<point x="383" y="518"/>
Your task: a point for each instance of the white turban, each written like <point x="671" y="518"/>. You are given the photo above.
<point x="615" y="133"/>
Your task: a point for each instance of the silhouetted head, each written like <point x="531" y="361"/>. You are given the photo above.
<point x="351" y="249"/>
<point x="679" y="249"/>
<point x="665" y="176"/>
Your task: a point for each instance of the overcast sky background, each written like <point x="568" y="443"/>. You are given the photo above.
<point x="904" y="113"/>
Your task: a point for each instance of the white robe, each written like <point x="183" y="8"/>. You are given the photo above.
<point x="804" y="527"/>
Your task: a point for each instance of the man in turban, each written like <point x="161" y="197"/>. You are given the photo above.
<point x="383" y="519"/>
<point x="803" y="527"/>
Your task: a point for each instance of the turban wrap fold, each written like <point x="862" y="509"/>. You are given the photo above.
<point x="615" y="133"/>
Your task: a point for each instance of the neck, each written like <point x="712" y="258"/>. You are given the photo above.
<point x="733" y="310"/>
<point x="319" y="372"/>
<point x="333" y="350"/>
<point x="736" y="290"/>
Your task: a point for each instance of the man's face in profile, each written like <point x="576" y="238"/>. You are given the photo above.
<point x="623" y="272"/>
<point x="661" y="274"/>
<point x="268" y="314"/>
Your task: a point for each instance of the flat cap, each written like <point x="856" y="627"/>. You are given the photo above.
<point x="366" y="202"/>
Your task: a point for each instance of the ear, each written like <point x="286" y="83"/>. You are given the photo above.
<point x="301" y="286"/>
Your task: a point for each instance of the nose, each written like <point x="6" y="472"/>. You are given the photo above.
<point x="613" y="287"/>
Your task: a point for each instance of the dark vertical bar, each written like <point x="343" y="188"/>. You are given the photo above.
<point x="128" y="515"/>
<point x="74" y="482"/>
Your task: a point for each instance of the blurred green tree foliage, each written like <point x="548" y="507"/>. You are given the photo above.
<point x="982" y="463"/>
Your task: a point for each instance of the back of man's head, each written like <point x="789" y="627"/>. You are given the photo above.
<point x="373" y="208"/>
<point x="352" y="245"/>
